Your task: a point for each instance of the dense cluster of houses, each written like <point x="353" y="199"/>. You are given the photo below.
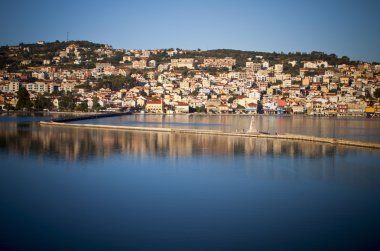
<point x="164" y="87"/>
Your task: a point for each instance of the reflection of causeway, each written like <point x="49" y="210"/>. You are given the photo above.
<point x="77" y="143"/>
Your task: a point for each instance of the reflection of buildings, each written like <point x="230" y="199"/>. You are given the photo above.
<point x="77" y="143"/>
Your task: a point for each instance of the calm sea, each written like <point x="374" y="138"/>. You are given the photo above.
<point x="91" y="189"/>
<point x="361" y="129"/>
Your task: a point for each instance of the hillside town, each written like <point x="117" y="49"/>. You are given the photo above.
<point x="82" y="76"/>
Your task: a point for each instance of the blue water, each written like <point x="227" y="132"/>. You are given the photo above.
<point x="23" y="119"/>
<point x="361" y="129"/>
<point x="148" y="123"/>
<point x="155" y="121"/>
<point x="85" y="189"/>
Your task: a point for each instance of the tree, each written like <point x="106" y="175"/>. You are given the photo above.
<point x="42" y="102"/>
<point x="23" y="101"/>
<point x="116" y="82"/>
<point x="83" y="107"/>
<point x="184" y="72"/>
<point x="231" y="99"/>
<point x="86" y="85"/>
<point x="8" y="107"/>
<point x="115" y="60"/>
<point x="200" y="109"/>
<point x="368" y="95"/>
<point x="66" y="102"/>
<point x="260" y="108"/>
<point x="240" y="107"/>
<point x="95" y="104"/>
<point x="377" y="93"/>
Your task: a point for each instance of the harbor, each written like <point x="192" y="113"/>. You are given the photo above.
<point x="252" y="132"/>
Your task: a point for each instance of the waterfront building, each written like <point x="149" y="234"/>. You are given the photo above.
<point x="182" y="107"/>
<point x="154" y="106"/>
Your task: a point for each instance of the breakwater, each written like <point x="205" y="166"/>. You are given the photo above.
<point x="220" y="133"/>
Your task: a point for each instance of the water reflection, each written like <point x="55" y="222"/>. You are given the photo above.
<point x="80" y="144"/>
<point x="347" y="128"/>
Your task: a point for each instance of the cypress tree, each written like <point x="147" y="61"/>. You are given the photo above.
<point x="23" y="99"/>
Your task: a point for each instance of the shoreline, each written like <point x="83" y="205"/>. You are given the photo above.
<point x="264" y="115"/>
<point x="49" y="112"/>
<point x="186" y="114"/>
<point x="293" y="137"/>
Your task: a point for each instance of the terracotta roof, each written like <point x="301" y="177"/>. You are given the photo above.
<point x="182" y="104"/>
<point x="281" y="102"/>
<point x="154" y="102"/>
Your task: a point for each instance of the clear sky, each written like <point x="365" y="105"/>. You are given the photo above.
<point x="343" y="27"/>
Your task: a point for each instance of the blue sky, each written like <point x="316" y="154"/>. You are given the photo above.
<point x="348" y="27"/>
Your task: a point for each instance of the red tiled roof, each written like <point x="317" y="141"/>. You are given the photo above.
<point x="182" y="104"/>
<point x="281" y="102"/>
<point x="252" y="105"/>
<point x="154" y="102"/>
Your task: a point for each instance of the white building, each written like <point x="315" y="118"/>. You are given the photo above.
<point x="315" y="64"/>
<point x="182" y="63"/>
<point x="278" y="68"/>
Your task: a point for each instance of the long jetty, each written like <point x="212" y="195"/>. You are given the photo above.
<point x="292" y="137"/>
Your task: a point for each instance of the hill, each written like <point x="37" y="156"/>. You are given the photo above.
<point x="12" y="56"/>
